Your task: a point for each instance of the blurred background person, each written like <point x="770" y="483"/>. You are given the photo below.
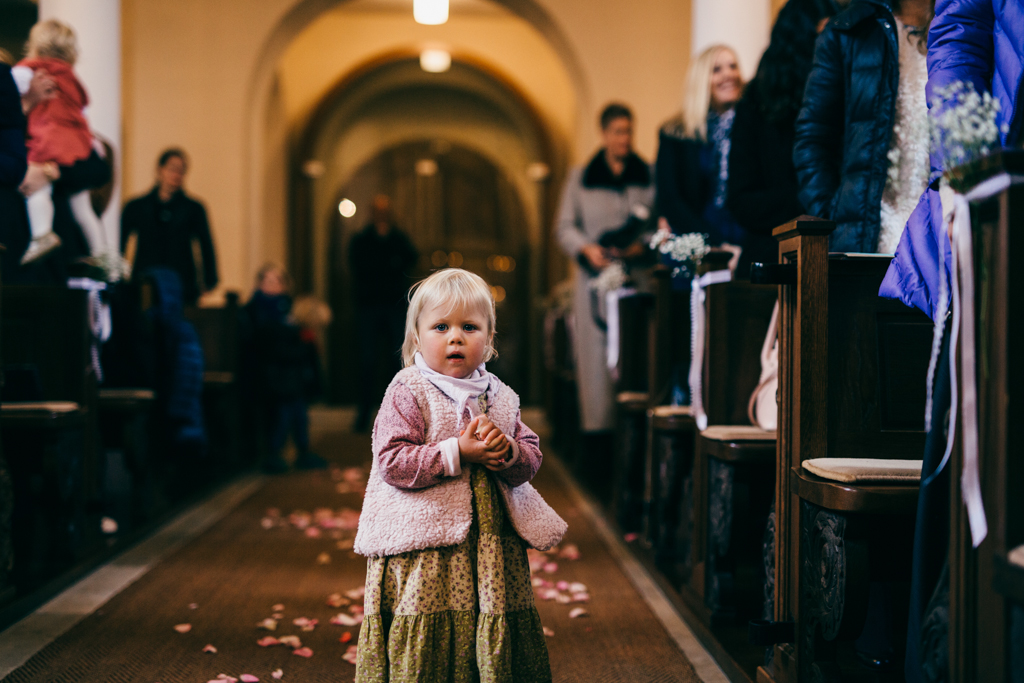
<point x="692" y="168"/>
<point x="160" y="228"/>
<point x="762" y="186"/>
<point x="284" y="366"/>
<point x="600" y="198"/>
<point x="382" y="259"/>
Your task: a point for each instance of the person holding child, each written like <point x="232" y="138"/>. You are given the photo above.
<point x="449" y="511"/>
<point x="58" y="136"/>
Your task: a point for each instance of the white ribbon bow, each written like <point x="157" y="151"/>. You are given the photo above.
<point x="697" y="315"/>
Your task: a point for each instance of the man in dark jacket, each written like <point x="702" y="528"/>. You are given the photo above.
<point x="382" y="260"/>
<point x="165" y="225"/>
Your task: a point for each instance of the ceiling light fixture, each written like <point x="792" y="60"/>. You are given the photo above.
<point x="430" y="12"/>
<point x="435" y="61"/>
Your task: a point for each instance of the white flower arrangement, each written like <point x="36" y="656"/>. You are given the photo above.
<point x="611" y="278"/>
<point x="965" y="128"/>
<point x="685" y="250"/>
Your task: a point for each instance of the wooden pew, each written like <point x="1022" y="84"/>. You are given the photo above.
<point x="852" y="370"/>
<point x="667" y="524"/>
<point x="986" y="584"/>
<point x="50" y="440"/>
<point x="631" y="400"/>
<point x="734" y="463"/>
<point x="218" y="329"/>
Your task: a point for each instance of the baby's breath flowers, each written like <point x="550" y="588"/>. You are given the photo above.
<point x="686" y="251"/>
<point x="964" y="129"/>
<point x="611" y="278"/>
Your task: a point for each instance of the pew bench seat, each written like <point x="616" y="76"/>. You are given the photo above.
<point x="125" y="400"/>
<point x="41" y="414"/>
<point x="739" y="444"/>
<point x="672" y="418"/>
<point x="632" y="401"/>
<point x="888" y="498"/>
<point x="218" y="379"/>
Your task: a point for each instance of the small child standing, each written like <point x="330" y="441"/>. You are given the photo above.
<point x="58" y="135"/>
<point x="449" y="512"/>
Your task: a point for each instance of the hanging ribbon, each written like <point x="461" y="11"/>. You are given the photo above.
<point x="611" y="305"/>
<point x="697" y="323"/>
<point x="99" y="317"/>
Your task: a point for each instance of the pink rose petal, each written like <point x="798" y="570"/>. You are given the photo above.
<point x="562" y="585"/>
<point x="356" y="593"/>
<point x="278" y="674"/>
<point x="337" y="600"/>
<point x="630" y="537"/>
<point x="312" y="532"/>
<point x="577" y="587"/>
<point x="343" y="619"/>
<point x="211" y="649"/>
<point x="193" y="606"/>
<point x="277" y="615"/>
<point x="581" y="597"/>
<point x="226" y="678"/>
<point x="183" y="628"/>
<point x="351" y="654"/>
<point x="570" y="552"/>
<point x="551" y="567"/>
<point x="577" y="612"/>
<point x="290" y="641"/>
<point x="268" y="641"/>
<point x="345" y="637"/>
<point x="267" y="523"/>
<point x="268" y="624"/>
<point x="323" y="558"/>
<point x="356" y="609"/>
<point x="563" y="599"/>
<point x="277" y="608"/>
<point x="303" y="652"/>
<point x="548" y="632"/>
<point x="537" y="582"/>
<point x="248" y="678"/>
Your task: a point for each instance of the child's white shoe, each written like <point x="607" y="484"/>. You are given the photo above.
<point x="40" y="247"/>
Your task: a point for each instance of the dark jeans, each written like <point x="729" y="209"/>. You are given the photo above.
<point x="931" y="535"/>
<point x="382" y="331"/>
<point x="289" y="417"/>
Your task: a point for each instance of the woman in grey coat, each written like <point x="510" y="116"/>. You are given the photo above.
<point x="598" y="199"/>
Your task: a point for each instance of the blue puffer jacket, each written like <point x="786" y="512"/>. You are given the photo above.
<point x="844" y="128"/>
<point x="976" y="41"/>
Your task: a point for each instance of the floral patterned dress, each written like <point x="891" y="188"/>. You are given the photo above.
<point x="458" y="614"/>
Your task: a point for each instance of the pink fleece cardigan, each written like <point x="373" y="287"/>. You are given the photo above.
<point x="413" y="501"/>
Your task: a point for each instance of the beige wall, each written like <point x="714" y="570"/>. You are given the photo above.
<point x="202" y="74"/>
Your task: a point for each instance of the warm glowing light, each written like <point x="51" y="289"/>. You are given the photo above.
<point x="435" y="61"/>
<point x="439" y="258"/>
<point x="347" y="208"/>
<point x="314" y="168"/>
<point x="498" y="293"/>
<point x="430" y="12"/>
<point x="501" y="264"/>
<point x="455" y="259"/>
<point x="426" y="167"/>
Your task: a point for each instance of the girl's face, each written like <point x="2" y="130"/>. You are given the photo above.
<point x="272" y="283"/>
<point x="453" y="344"/>
<point x="726" y="82"/>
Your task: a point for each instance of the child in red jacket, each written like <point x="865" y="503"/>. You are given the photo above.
<point x="58" y="135"/>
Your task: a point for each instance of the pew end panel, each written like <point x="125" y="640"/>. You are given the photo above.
<point x="986" y="585"/>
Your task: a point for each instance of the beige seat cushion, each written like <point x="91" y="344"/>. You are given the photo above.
<point x="1016" y="556"/>
<point x="737" y="433"/>
<point x="631" y="397"/>
<point x="671" y="411"/>
<point x="852" y="470"/>
<point x="123" y="394"/>
<point x="49" y="406"/>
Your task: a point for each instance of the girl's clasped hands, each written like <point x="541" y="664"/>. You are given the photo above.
<point x="483" y="443"/>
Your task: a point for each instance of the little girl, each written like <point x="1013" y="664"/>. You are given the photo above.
<point x="449" y="512"/>
<point x="58" y="135"/>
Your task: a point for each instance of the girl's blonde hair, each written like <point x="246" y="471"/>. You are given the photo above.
<point x="456" y="289"/>
<point x="697" y="91"/>
<point x="54" y="39"/>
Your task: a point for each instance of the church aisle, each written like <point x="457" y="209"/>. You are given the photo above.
<point x="240" y="573"/>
